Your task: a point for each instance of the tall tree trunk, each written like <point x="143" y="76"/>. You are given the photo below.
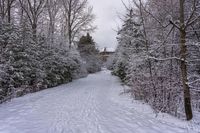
<point x="9" y="10"/>
<point x="69" y="28"/>
<point x="34" y="29"/>
<point x="183" y="66"/>
<point x="69" y="23"/>
<point x="70" y="37"/>
<point x="51" y="31"/>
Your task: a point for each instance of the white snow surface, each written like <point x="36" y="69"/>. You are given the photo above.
<point x="88" y="105"/>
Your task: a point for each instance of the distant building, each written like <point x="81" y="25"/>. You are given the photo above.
<point x="105" y="54"/>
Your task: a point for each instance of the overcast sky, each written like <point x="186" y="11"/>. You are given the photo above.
<point x="107" y="21"/>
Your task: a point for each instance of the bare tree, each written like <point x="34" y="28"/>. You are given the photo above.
<point x="33" y="9"/>
<point x="53" y="7"/>
<point x="5" y="9"/>
<point x="78" y="18"/>
<point x="185" y="22"/>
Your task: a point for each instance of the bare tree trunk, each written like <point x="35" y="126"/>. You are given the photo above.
<point x="52" y="8"/>
<point x="183" y="66"/>
<point x="69" y="24"/>
<point x="33" y="10"/>
<point x="2" y="9"/>
<point x="78" y="16"/>
<point x="34" y="29"/>
<point x="52" y="32"/>
<point x="9" y="10"/>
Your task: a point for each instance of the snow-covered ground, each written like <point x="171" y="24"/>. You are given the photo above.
<point x="88" y="105"/>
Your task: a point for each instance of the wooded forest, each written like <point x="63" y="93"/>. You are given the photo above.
<point x="38" y="44"/>
<point x="158" y="54"/>
<point x="46" y="43"/>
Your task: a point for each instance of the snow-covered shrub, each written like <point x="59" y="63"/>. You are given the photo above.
<point x="120" y="71"/>
<point x="92" y="63"/>
<point x="61" y="66"/>
<point x="77" y="65"/>
<point x="28" y="65"/>
<point x="110" y="62"/>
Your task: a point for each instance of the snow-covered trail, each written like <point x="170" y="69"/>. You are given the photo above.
<point x="88" y="105"/>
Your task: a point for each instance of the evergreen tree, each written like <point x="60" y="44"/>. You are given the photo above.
<point x="89" y="53"/>
<point x="131" y="42"/>
<point x="29" y="65"/>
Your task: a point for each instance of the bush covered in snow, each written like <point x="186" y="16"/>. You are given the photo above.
<point x="28" y="65"/>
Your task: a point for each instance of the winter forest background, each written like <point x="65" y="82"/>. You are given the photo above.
<point x="39" y="40"/>
<point x="45" y="43"/>
<point x="158" y="54"/>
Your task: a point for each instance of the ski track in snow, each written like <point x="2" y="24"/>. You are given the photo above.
<point x="88" y="105"/>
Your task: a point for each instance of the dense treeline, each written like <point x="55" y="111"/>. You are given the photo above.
<point x="158" y="54"/>
<point x="37" y="48"/>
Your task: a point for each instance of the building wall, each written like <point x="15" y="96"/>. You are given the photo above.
<point x="105" y="55"/>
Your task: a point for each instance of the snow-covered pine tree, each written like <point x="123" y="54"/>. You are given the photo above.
<point x="130" y="43"/>
<point x="32" y="54"/>
<point x="89" y="53"/>
<point x="27" y="65"/>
